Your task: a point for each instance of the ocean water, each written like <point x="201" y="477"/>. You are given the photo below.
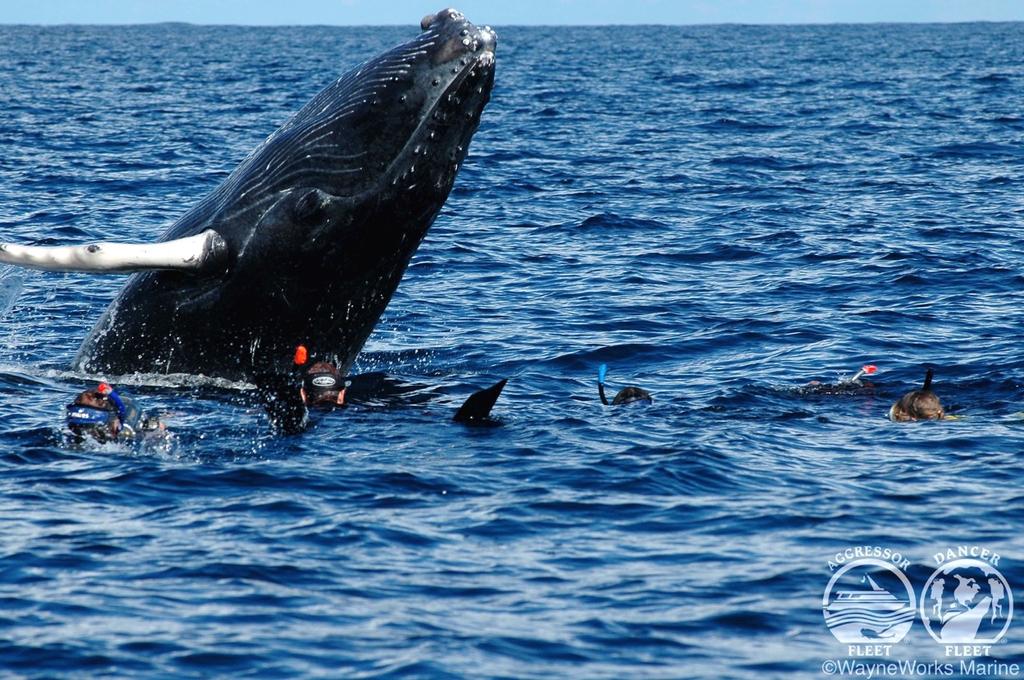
<point x="721" y="214"/>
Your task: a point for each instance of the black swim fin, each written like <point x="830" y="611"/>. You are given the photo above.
<point x="479" y="404"/>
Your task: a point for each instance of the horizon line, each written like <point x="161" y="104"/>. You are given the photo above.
<point x="567" y="25"/>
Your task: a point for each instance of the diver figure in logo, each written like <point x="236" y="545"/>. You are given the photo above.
<point x="938" y="585"/>
<point x="998" y="592"/>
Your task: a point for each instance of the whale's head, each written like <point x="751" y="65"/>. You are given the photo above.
<point x="403" y="119"/>
<point x="306" y="241"/>
<point x="399" y="124"/>
<point x="394" y="133"/>
<point x="433" y="90"/>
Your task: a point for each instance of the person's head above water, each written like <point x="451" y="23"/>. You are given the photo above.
<point x="922" y="404"/>
<point x="626" y="395"/>
<point x="97" y="413"/>
<point x="322" y="383"/>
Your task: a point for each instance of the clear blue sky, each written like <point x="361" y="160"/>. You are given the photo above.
<point x="342" y="12"/>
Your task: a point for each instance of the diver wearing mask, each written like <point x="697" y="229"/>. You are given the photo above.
<point x="106" y="416"/>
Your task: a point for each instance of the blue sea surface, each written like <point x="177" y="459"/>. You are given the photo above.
<point x="721" y="214"/>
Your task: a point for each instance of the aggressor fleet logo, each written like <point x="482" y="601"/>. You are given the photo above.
<point x="869" y="603"/>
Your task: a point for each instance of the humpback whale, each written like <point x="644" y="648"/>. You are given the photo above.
<point x="308" y="238"/>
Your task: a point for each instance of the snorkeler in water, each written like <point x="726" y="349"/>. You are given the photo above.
<point x="322" y="382"/>
<point x="323" y="386"/>
<point x="922" y="404"/>
<point x="104" y="415"/>
<point x="626" y="395"/>
<point x="289" y="395"/>
<point x="852" y="384"/>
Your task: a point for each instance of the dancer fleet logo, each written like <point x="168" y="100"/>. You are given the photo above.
<point x="966" y="604"/>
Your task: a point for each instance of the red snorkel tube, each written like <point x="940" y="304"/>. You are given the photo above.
<point x="869" y="369"/>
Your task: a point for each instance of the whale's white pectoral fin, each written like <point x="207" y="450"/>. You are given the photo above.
<point x="192" y="253"/>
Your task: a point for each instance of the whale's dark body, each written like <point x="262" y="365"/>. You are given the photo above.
<point x="317" y="225"/>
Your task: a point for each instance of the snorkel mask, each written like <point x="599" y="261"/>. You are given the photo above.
<point x="80" y="415"/>
<point x="97" y="419"/>
<point x="322" y="386"/>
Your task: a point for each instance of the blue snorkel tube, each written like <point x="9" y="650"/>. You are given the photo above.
<point x="108" y="391"/>
<point x="602" y="371"/>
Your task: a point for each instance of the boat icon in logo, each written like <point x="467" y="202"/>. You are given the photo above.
<point x="857" y="609"/>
